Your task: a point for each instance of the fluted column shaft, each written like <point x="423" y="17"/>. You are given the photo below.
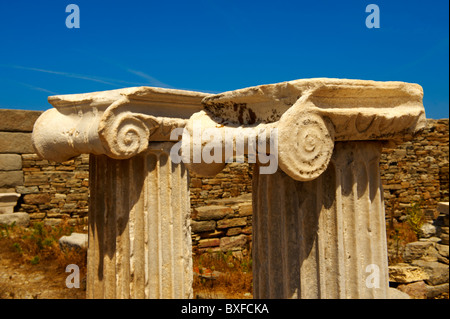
<point x="323" y="238"/>
<point x="139" y="229"/>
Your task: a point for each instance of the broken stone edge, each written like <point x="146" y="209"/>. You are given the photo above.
<point x="358" y="109"/>
<point x="312" y="114"/>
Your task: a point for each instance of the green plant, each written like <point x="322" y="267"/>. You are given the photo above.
<point x="35" y="260"/>
<point x="40" y="242"/>
<point x="6" y="229"/>
<point x="18" y="248"/>
<point x="246" y="265"/>
<point x="415" y="217"/>
<point x="398" y="235"/>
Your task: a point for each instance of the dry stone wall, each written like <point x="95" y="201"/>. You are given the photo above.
<point x="53" y="191"/>
<point x="233" y="181"/>
<point x="417" y="170"/>
<point x="223" y="225"/>
<point x="48" y="191"/>
<point x="15" y="139"/>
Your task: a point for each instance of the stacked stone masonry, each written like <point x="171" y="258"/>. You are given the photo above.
<point x="417" y="170"/>
<point x="53" y="191"/>
<point x="50" y="191"/>
<point x="15" y="140"/>
<point x="223" y="225"/>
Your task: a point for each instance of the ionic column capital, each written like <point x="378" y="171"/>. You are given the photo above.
<point x="311" y="114"/>
<point x="117" y="123"/>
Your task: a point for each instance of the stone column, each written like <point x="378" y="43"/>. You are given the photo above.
<point x="139" y="228"/>
<point x="7" y="202"/>
<point x="323" y="238"/>
<point x="318" y="220"/>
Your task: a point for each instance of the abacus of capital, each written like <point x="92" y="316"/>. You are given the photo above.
<point x="318" y="218"/>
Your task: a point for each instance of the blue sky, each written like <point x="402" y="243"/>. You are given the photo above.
<point x="218" y="45"/>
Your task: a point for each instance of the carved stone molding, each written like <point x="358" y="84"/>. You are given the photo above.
<point x="312" y="114"/>
<point x="117" y="123"/>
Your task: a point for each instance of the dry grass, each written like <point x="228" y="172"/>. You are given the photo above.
<point x="39" y="243"/>
<point x="234" y="279"/>
<point x="401" y="233"/>
<point x="398" y="236"/>
<point x="38" y="247"/>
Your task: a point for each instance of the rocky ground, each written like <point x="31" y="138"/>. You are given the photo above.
<point x="424" y="268"/>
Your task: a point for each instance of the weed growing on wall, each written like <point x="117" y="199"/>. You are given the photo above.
<point x="415" y="217"/>
<point x="401" y="233"/>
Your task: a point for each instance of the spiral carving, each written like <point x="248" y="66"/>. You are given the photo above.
<point x="305" y="145"/>
<point x="127" y="136"/>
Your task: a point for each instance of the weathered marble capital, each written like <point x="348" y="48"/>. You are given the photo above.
<point x="318" y="221"/>
<point x="139" y="228"/>
<point x="117" y="123"/>
<point x="312" y="114"/>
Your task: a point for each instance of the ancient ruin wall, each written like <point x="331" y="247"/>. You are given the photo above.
<point x="417" y="170"/>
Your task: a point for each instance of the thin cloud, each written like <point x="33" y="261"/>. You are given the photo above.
<point x="151" y="79"/>
<point x="108" y="81"/>
<point x="66" y="74"/>
<point x="36" y="88"/>
<point x="30" y="86"/>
